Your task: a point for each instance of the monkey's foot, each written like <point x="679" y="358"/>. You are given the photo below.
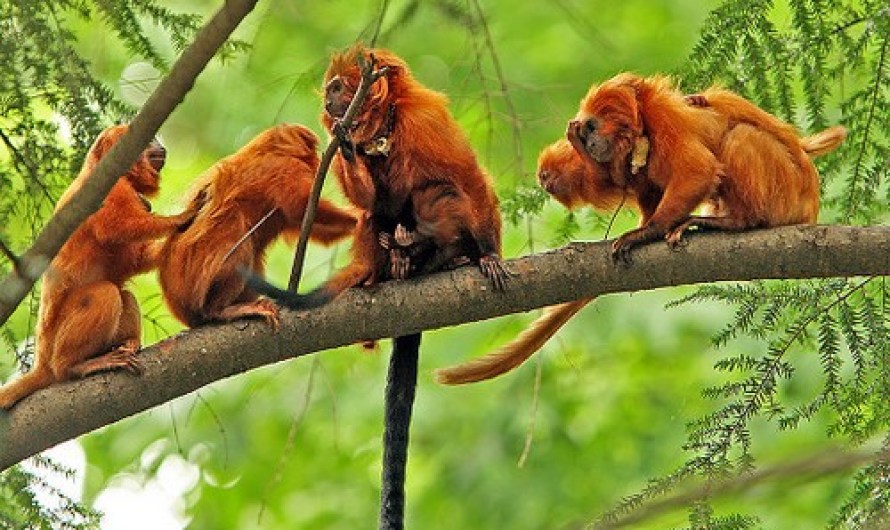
<point x="621" y="248"/>
<point x="492" y="267"/>
<point x="403" y="236"/>
<point x="704" y="222"/>
<point x="263" y="308"/>
<point x="399" y="264"/>
<point x="386" y="241"/>
<point x="674" y="238"/>
<point x="121" y="358"/>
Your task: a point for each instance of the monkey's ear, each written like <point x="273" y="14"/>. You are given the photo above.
<point x="379" y="91"/>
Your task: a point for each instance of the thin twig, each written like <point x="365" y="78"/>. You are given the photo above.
<point x="18" y="159"/>
<point x="369" y="77"/>
<point x="383" y="9"/>
<point x="533" y="417"/>
<point x="515" y="122"/>
<point x="250" y="232"/>
<point x="821" y="464"/>
<point x="291" y="438"/>
<point x="615" y="215"/>
<point x="10" y="255"/>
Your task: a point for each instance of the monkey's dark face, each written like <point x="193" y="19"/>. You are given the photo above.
<point x="156" y="155"/>
<point x="145" y="175"/>
<point x="338" y="93"/>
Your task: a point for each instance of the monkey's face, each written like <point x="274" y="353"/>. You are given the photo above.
<point x="145" y="174"/>
<point x="559" y="171"/>
<point x="554" y="183"/>
<point x="338" y="94"/>
<point x="155" y="154"/>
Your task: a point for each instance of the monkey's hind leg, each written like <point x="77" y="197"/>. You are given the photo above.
<point x="728" y="224"/>
<point x="263" y="308"/>
<point x="91" y="318"/>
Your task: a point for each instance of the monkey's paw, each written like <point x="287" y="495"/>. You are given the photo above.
<point x="399" y="264"/>
<point x="492" y="267"/>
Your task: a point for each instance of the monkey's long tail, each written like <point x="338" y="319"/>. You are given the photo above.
<point x="316" y="298"/>
<point x="401" y="384"/>
<point x="824" y="142"/>
<point x="10" y="393"/>
<point x="514" y="353"/>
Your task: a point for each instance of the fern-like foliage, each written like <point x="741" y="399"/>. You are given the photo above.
<point x="869" y="504"/>
<point x="51" y="108"/>
<point x="29" y="501"/>
<point x="826" y="63"/>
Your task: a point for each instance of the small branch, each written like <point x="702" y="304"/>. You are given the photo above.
<point x="872" y="114"/>
<point x="166" y="97"/>
<point x="383" y="9"/>
<point x="369" y="77"/>
<point x="291" y="440"/>
<point x="10" y="255"/>
<point x="817" y="465"/>
<point x="19" y="161"/>
<point x="249" y="233"/>
<point x="515" y="122"/>
<point x="187" y="361"/>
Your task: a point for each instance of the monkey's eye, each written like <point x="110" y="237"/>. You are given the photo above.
<point x="335" y="86"/>
<point x="589" y="127"/>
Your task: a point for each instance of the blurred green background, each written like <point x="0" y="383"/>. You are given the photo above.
<point x="297" y="445"/>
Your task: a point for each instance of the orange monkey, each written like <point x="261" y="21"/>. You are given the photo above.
<point x="764" y="178"/>
<point x="88" y="322"/>
<point x="406" y="162"/>
<point x="199" y="267"/>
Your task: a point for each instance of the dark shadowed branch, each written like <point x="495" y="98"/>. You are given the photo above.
<point x="188" y="361"/>
<point x="168" y="94"/>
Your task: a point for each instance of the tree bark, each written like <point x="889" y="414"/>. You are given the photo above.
<point x="167" y="96"/>
<point x="190" y="360"/>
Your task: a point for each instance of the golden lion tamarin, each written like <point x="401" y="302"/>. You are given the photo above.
<point x="88" y="322"/>
<point x="745" y="166"/>
<point x="199" y="266"/>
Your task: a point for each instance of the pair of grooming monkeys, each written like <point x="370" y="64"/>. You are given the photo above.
<point x="420" y="202"/>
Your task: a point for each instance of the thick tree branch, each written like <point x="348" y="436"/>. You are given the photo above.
<point x="186" y="362"/>
<point x="168" y="94"/>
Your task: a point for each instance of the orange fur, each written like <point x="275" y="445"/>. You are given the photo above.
<point x="767" y="179"/>
<point x="200" y="279"/>
<point x="88" y="322"/>
<point x="428" y="180"/>
<point x="682" y="170"/>
<point x="431" y="170"/>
